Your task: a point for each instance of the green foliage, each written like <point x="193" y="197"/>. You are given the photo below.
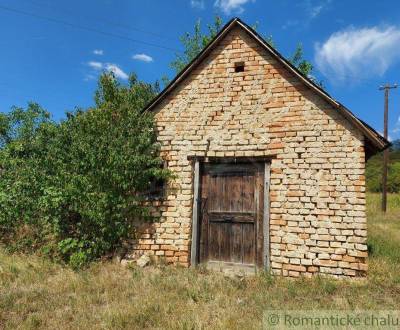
<point x="73" y="188"/>
<point x="297" y="59"/>
<point x="374" y="172"/>
<point x="194" y="43"/>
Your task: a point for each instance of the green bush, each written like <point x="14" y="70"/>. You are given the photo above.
<point x="73" y="188"/>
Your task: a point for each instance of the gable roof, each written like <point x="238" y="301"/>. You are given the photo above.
<point x="375" y="142"/>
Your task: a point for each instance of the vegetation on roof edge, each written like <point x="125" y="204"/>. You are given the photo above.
<point x="193" y="43"/>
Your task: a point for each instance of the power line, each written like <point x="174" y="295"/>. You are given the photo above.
<point x="111" y="23"/>
<point x="86" y="28"/>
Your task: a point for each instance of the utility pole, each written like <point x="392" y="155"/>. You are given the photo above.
<point x="386" y="88"/>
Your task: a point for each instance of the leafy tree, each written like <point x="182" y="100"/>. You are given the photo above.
<point x="73" y="188"/>
<point x="23" y="140"/>
<point x="20" y="123"/>
<point x="394" y="178"/>
<point x="194" y="43"/>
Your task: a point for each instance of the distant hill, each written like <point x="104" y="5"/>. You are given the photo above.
<point x="373" y="171"/>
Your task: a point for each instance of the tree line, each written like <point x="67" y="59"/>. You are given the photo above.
<point x="374" y="170"/>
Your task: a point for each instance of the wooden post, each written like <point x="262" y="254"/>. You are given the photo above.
<point x="195" y="216"/>
<point x="385" y="153"/>
<point x="267" y="175"/>
<point x="386" y="88"/>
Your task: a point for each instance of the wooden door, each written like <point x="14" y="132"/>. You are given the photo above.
<point x="231" y="214"/>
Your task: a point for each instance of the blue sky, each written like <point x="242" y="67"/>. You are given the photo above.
<point x="51" y="52"/>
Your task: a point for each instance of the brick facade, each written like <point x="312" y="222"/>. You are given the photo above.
<point x="317" y="187"/>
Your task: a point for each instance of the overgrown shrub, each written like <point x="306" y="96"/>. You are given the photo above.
<point x="72" y="188"/>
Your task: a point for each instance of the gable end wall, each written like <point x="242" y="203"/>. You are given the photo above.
<point x="317" y="188"/>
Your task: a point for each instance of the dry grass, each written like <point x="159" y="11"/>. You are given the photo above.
<point x="36" y="293"/>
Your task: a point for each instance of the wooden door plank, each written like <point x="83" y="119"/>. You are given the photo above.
<point x="213" y="242"/>
<point x="224" y="193"/>
<point x="234" y="192"/>
<point x="218" y="194"/>
<point x="249" y="247"/>
<point x="225" y="241"/>
<point x="247" y="193"/>
<point x="237" y="243"/>
<point x="211" y="192"/>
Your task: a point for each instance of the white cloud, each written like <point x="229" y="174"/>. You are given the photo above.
<point x="290" y="24"/>
<point x="358" y="53"/>
<point x="89" y="77"/>
<point x="199" y="4"/>
<point x="230" y="6"/>
<point x="118" y="72"/>
<point x="316" y="11"/>
<point x="110" y="67"/>
<point x="98" y="52"/>
<point x="397" y="127"/>
<point x="312" y="9"/>
<point x="315" y="8"/>
<point x="142" y="57"/>
<point x="95" y="65"/>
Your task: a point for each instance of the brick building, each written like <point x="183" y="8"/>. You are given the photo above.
<point x="269" y="168"/>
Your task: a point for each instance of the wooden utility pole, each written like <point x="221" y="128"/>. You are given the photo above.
<point x="386" y="88"/>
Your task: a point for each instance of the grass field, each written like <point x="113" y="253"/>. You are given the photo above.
<point x="35" y="293"/>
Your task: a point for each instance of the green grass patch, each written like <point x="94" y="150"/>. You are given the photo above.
<point x="38" y="294"/>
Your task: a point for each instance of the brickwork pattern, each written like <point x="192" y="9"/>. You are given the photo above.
<point x="317" y="188"/>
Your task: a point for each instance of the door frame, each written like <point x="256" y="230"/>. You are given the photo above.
<point x="197" y="163"/>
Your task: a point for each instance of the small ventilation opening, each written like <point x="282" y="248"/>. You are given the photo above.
<point x="239" y="67"/>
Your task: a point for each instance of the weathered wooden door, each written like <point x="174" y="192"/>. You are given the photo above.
<point x="231" y="215"/>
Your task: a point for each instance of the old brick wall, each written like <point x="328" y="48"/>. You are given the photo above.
<point x="317" y="190"/>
